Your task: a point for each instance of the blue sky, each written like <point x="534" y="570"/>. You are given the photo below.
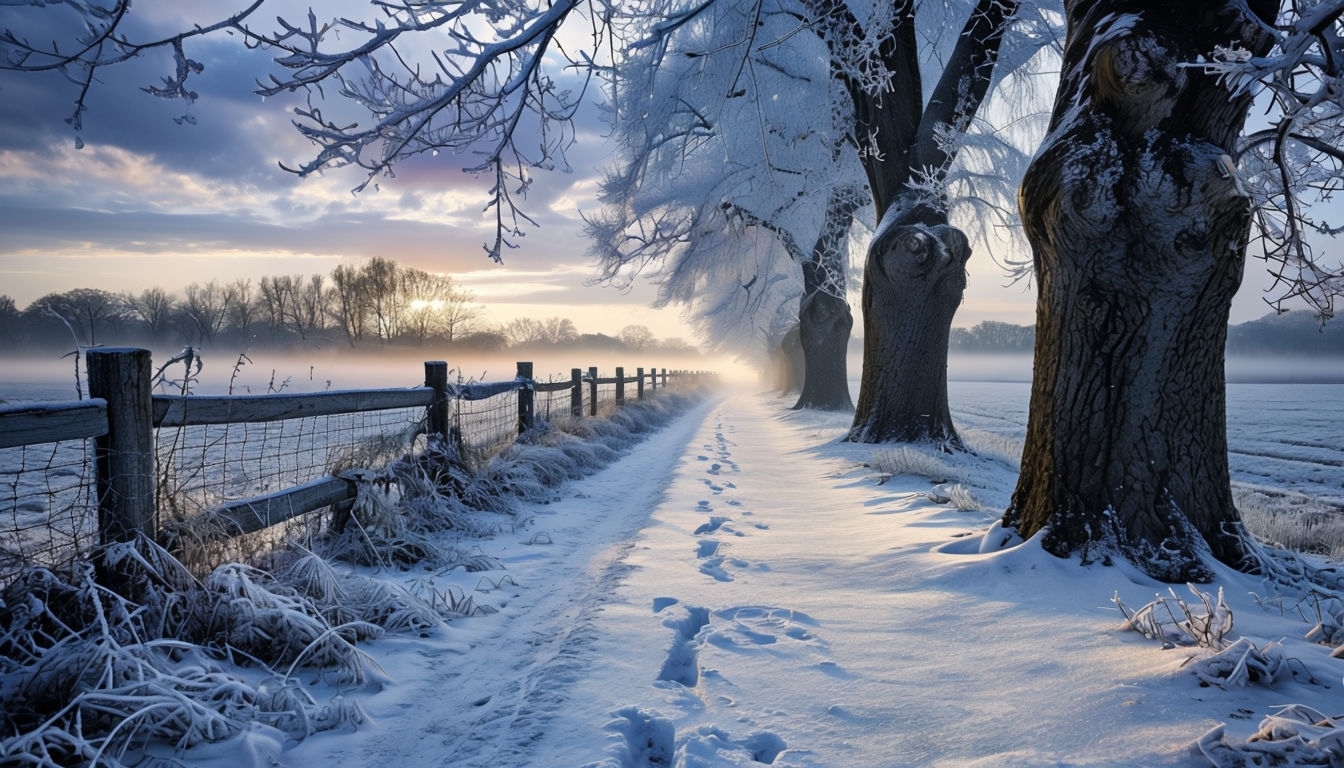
<point x="151" y="202"/>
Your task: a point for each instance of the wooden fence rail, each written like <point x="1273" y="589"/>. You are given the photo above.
<point x="122" y="414"/>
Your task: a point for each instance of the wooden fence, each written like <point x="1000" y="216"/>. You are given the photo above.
<point x="122" y="415"/>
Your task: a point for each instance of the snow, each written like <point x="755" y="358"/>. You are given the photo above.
<point x="742" y="589"/>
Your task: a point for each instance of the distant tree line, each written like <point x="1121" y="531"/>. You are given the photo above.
<point x="1289" y="333"/>
<point x="374" y="304"/>
<point x="993" y="336"/>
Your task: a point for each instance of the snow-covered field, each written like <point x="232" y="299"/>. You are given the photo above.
<point x="741" y="589"/>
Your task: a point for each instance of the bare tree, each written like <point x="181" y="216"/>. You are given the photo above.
<point x="552" y="331"/>
<point x="310" y="306"/>
<point x="85" y="309"/>
<point x="152" y="305"/>
<point x="277" y="299"/>
<point x="558" y="330"/>
<point x="350" y="301"/>
<point x="435" y="306"/>
<point x="522" y="331"/>
<point x="240" y="306"/>
<point x="637" y="337"/>
<point x="204" y="310"/>
<point x="382" y="291"/>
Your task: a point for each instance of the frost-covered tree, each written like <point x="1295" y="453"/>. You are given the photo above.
<point x="474" y="79"/>
<point x="1139" y="222"/>
<point x="914" y="276"/>
<point x="781" y="113"/>
<point x="731" y="125"/>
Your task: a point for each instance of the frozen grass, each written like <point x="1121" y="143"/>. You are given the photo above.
<point x="91" y="676"/>
<point x="918" y="461"/>
<point x="1291" y="520"/>
<point x="1279" y="518"/>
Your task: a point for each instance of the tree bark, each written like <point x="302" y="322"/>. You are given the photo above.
<point x="792" y="364"/>
<point x="912" y="286"/>
<point x="824" y="319"/>
<point x="915" y="273"/>
<point x="1138" y="229"/>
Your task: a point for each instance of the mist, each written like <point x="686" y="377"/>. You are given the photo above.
<point x="263" y="372"/>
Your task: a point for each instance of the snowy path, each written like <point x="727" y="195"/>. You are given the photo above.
<point x="742" y="590"/>
<point x="783" y="608"/>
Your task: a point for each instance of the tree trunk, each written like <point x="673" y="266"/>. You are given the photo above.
<point x="824" y="319"/>
<point x="913" y="282"/>
<point x="824" y="323"/>
<point x="915" y="273"/>
<point x="1138" y="229"/>
<point x="791" y="361"/>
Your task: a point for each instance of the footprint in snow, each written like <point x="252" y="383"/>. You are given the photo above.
<point x="714" y="524"/>
<point x="682" y="665"/>
<point x="713" y="567"/>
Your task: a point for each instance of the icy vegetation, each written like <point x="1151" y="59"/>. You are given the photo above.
<point x="177" y="659"/>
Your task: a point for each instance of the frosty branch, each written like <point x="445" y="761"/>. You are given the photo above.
<point x="1294" y="162"/>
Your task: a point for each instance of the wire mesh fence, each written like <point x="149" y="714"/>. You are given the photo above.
<point x="485" y="427"/>
<point x="202" y="467"/>
<point x="49" y="505"/>
<point x="550" y="405"/>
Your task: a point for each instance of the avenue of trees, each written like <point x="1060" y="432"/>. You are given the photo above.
<point x="1139" y="205"/>
<point x="370" y="305"/>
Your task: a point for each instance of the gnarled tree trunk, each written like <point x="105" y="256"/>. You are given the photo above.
<point x="1138" y="229"/>
<point x="915" y="272"/>
<point x="824" y="319"/>
<point x="912" y="286"/>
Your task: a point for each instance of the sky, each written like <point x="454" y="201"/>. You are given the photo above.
<point x="149" y="201"/>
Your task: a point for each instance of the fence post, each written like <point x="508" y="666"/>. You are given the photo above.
<point x="664" y="378"/>
<point x="620" y="385"/>
<point x="576" y="393"/>
<point x="436" y="378"/>
<point x="526" y="417"/>
<point x="592" y="390"/>
<point x="653" y="379"/>
<point x="124" y="457"/>
<point x="639" y="386"/>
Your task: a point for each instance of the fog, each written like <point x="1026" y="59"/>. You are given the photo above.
<point x="53" y="377"/>
<point x="1241" y="369"/>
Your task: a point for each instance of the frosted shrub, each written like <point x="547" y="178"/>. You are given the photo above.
<point x="961" y="498"/>
<point x="1173" y="622"/>
<point x="1232" y="664"/>
<point x="1241" y="664"/>
<point x="1295" y="735"/>
<point x="88" y="681"/>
